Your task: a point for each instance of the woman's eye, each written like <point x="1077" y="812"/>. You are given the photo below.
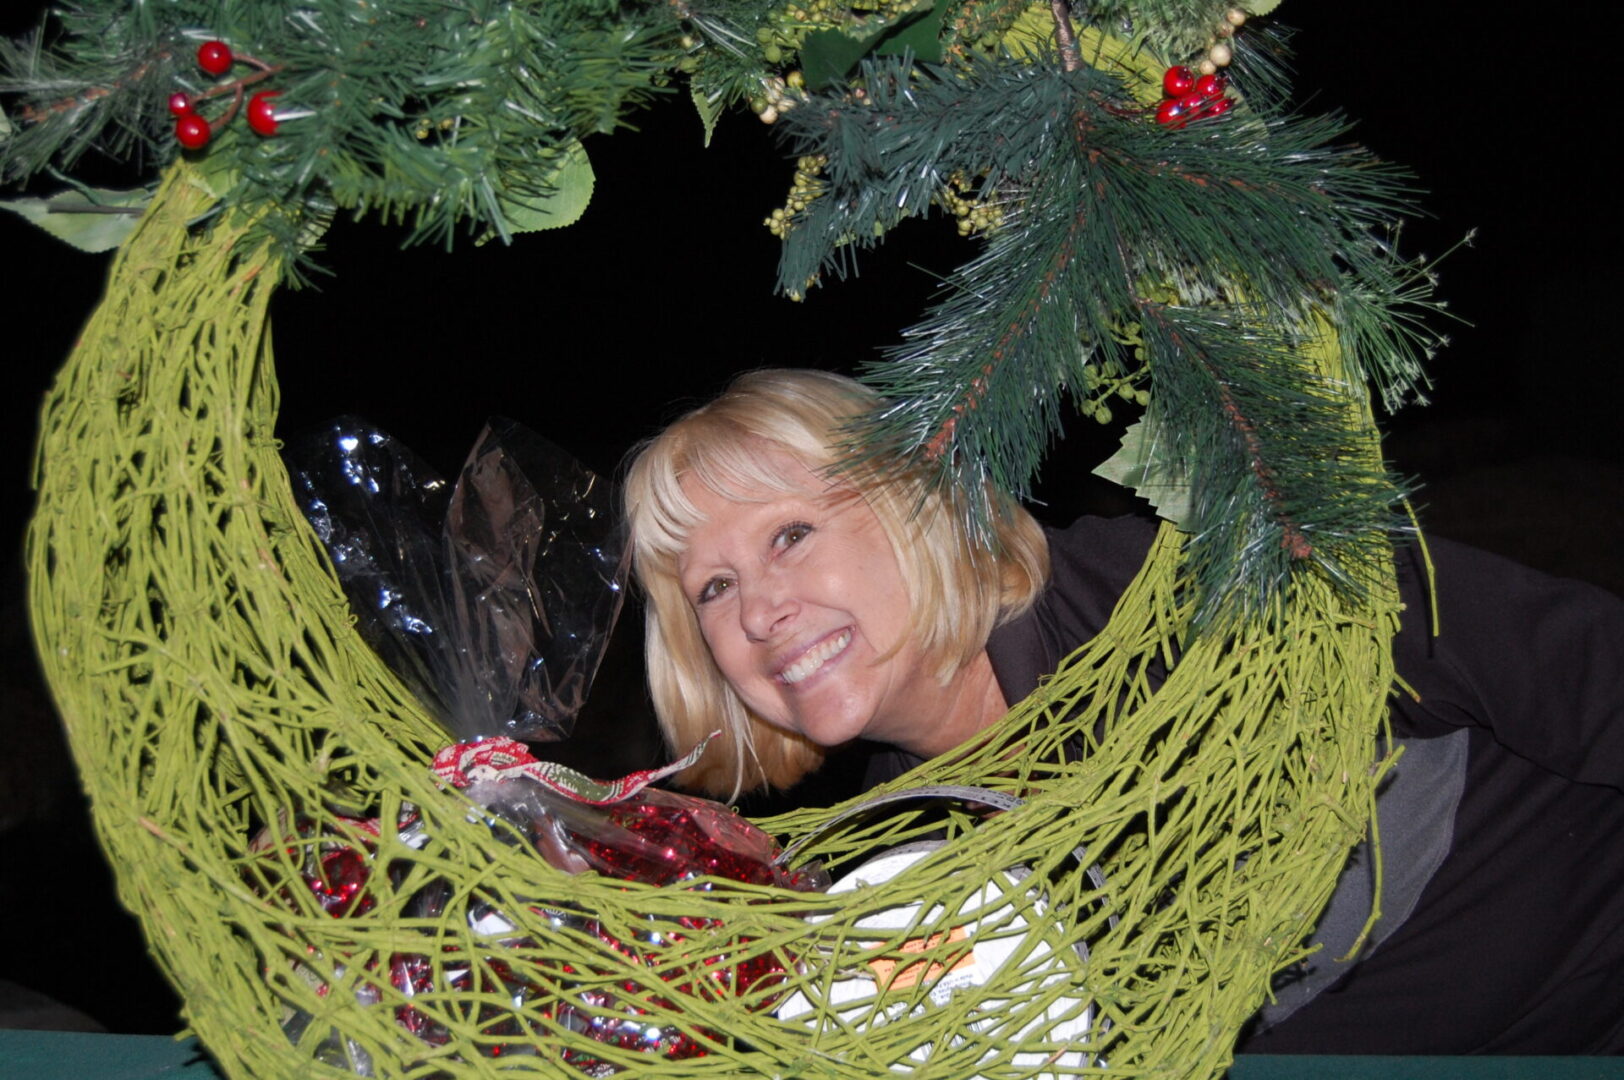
<point x="712" y="589"/>
<point x="792" y="534"/>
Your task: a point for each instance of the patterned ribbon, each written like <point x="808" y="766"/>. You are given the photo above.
<point x="500" y="758"/>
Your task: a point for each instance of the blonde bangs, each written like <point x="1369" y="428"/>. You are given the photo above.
<point x="718" y="456"/>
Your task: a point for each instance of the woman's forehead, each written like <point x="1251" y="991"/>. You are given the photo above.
<point x="741" y="469"/>
<point x="773" y="475"/>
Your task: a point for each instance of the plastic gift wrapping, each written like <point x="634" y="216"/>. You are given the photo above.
<point x="494" y="599"/>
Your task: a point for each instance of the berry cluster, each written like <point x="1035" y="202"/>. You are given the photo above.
<point x="1189" y="96"/>
<point x="963" y="199"/>
<point x="779" y="94"/>
<point x="192" y="129"/>
<point x="806" y="186"/>
<point x="1219" y="53"/>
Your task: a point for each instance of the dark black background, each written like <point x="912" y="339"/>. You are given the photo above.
<point x="595" y="334"/>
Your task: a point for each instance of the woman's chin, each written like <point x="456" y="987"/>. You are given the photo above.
<point x="828" y="732"/>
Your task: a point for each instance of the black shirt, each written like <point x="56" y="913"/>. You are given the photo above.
<point x="1503" y="832"/>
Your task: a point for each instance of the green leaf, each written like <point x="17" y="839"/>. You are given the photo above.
<point x="93" y="220"/>
<point x="830" y="56"/>
<point x="571" y="187"/>
<point x="827" y="56"/>
<point x="710" y="107"/>
<point x="216" y="171"/>
<point x="1259" y="7"/>
<point x="1143" y="463"/>
<point x="919" y="34"/>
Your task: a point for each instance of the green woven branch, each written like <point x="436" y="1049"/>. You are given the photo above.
<point x="214" y="692"/>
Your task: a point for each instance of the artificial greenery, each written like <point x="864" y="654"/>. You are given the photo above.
<point x="436" y="115"/>
<point x="1233" y="276"/>
<point x="1226" y="243"/>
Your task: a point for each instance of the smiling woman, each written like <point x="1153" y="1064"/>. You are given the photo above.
<point x="798" y="608"/>
<point x="801" y="602"/>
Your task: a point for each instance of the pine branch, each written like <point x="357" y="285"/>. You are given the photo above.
<point x="1293" y="541"/>
<point x="66" y="108"/>
<point x="1273" y="452"/>
<point x="1176" y="29"/>
<point x="1254" y="227"/>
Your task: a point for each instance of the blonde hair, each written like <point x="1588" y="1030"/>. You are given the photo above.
<point x="958" y="589"/>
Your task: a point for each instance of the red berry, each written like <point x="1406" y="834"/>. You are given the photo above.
<point x="261" y="117"/>
<point x="1191" y="103"/>
<point x="1170" y="112"/>
<point x="1210" y="86"/>
<point x="1219" y="107"/>
<point x="192" y="131"/>
<point x="1178" y="81"/>
<point x="180" y="104"/>
<point x="214" y="57"/>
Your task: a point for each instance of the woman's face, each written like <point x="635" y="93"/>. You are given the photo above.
<point x="800" y="599"/>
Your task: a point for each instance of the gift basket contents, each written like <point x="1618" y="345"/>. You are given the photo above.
<point x="493" y="598"/>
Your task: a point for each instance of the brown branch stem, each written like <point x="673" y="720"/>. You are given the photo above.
<point x="1071" y="58"/>
<point x="92" y="208"/>
<point x="1292" y="537"/>
<point x="237" y="86"/>
<point x="33" y="115"/>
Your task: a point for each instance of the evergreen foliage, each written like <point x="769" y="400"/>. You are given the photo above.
<point x="421" y="112"/>
<point x="1216" y="248"/>
<point x="1227" y="244"/>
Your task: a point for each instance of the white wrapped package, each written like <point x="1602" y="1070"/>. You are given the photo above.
<point x="1066" y="1020"/>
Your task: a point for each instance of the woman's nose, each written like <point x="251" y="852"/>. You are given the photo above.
<point x="765" y="610"/>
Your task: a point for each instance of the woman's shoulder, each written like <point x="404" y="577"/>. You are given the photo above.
<point x="1095" y="555"/>
<point x="1091" y="562"/>
<point x="1536" y="660"/>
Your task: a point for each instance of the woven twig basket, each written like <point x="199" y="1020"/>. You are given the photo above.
<point x="215" y="691"/>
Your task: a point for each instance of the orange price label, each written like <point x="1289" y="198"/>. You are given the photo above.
<point x="894" y="976"/>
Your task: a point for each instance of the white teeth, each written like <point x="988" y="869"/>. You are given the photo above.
<point x="816" y="658"/>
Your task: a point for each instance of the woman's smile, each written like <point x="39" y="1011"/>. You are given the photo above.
<point x="814" y="659"/>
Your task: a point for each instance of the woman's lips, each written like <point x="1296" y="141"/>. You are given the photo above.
<point x="815" y="657"/>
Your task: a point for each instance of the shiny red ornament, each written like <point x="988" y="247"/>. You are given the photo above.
<point x="261" y="116"/>
<point x="215" y="57"/>
<point x="1170" y="112"/>
<point x="192" y="131"/>
<point x="661" y="838"/>
<point x="1209" y="86"/>
<point x="677" y="838"/>
<point x="1219" y="107"/>
<point x="340" y="884"/>
<point x="1178" y="81"/>
<point x="181" y="105"/>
